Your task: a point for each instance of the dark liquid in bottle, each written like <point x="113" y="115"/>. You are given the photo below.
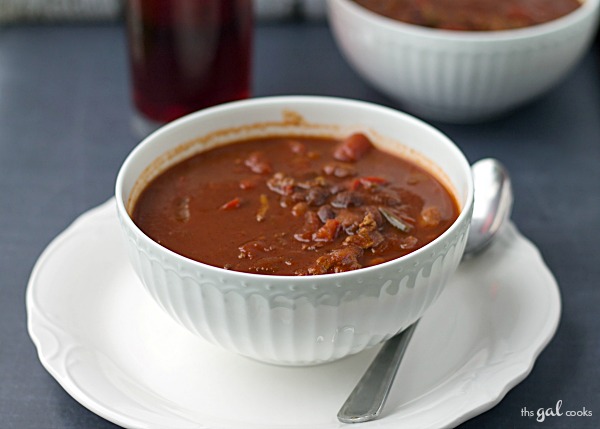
<point x="188" y="54"/>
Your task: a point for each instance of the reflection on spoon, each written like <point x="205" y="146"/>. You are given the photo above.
<point x="492" y="206"/>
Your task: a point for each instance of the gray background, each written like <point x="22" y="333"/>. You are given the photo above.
<point x="65" y="128"/>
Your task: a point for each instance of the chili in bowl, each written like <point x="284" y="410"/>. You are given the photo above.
<point x="462" y="61"/>
<point x="295" y="230"/>
<point x="472" y="15"/>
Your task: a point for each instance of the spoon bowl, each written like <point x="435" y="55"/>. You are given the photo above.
<point x="493" y="203"/>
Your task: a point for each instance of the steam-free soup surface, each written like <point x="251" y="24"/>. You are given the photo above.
<point x="295" y="206"/>
<point x="472" y="15"/>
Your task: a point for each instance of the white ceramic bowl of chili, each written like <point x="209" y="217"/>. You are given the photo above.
<point x="292" y="320"/>
<point x="460" y="76"/>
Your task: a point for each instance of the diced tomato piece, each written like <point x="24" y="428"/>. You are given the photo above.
<point x="367" y="182"/>
<point x="352" y="148"/>
<point x="327" y="232"/>
<point x="373" y="180"/>
<point x="233" y="204"/>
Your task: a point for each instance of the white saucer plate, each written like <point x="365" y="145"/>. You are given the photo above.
<point x="114" y="350"/>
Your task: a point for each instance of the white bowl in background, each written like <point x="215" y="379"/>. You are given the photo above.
<point x="460" y="76"/>
<point x="285" y="319"/>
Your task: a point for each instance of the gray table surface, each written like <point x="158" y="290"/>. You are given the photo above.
<point x="65" y="128"/>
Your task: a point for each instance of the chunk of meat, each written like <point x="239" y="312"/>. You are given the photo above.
<point x="254" y="249"/>
<point x="311" y="225"/>
<point x="352" y="148"/>
<point x="338" y="260"/>
<point x="349" y="220"/>
<point x="375" y="214"/>
<point x="281" y="184"/>
<point x="409" y="242"/>
<point x="367" y="235"/>
<point x="391" y="241"/>
<point x="317" y="196"/>
<point x="386" y="197"/>
<point x="365" y="239"/>
<point x="430" y="217"/>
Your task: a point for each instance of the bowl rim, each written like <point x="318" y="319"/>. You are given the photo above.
<point x="285" y="101"/>
<point x="587" y="8"/>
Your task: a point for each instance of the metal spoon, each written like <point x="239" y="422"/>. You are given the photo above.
<point x="492" y="207"/>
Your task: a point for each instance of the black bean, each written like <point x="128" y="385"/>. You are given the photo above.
<point x="317" y="196"/>
<point x="325" y="213"/>
<point x="347" y="199"/>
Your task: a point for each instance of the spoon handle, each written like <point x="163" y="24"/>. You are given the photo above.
<point x="368" y="397"/>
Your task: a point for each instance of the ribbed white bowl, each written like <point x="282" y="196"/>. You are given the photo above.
<point x="295" y="320"/>
<point x="460" y="76"/>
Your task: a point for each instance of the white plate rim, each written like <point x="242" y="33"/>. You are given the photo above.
<point x="483" y="402"/>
